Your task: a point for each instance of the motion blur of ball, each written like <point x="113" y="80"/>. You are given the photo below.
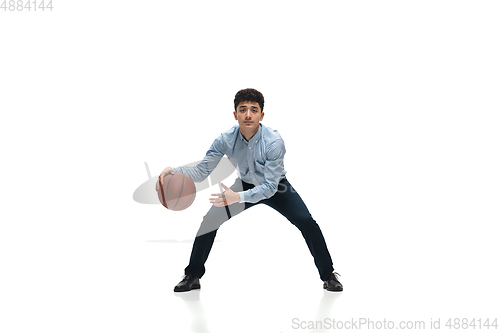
<point x="177" y="192"/>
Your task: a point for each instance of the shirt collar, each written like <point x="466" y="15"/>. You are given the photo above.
<point x="254" y="138"/>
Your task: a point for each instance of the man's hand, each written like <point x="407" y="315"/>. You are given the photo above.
<point x="227" y="198"/>
<point x="168" y="170"/>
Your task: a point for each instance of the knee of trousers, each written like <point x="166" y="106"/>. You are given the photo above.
<point x="222" y="214"/>
<point x="215" y="217"/>
<point x="304" y="222"/>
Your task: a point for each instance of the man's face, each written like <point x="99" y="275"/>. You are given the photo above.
<point x="248" y="114"/>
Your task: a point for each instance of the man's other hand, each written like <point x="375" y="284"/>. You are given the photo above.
<point x="227" y="198"/>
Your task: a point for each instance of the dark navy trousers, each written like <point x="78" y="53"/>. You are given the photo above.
<point x="287" y="202"/>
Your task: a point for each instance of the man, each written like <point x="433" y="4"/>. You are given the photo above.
<point x="257" y="152"/>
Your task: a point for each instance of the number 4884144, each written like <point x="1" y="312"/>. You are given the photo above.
<point x="26" y="5"/>
<point x="471" y="323"/>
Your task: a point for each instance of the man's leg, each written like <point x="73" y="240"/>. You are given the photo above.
<point x="205" y="237"/>
<point x="289" y="204"/>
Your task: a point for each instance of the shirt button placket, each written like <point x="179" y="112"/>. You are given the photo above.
<point x="250" y="159"/>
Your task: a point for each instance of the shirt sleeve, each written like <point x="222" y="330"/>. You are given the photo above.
<point x="273" y="169"/>
<point x="202" y="170"/>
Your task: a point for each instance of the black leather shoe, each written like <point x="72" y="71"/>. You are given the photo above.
<point x="188" y="283"/>
<point x="333" y="284"/>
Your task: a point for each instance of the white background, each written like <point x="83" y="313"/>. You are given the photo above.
<point x="390" y="115"/>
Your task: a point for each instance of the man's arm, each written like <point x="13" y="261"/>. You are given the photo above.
<point x="201" y="171"/>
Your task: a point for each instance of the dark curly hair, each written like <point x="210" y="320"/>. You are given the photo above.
<point x="250" y="95"/>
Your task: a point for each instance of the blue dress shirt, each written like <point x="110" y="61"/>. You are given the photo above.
<point x="258" y="161"/>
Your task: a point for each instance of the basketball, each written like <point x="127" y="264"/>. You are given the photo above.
<point x="177" y="192"/>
